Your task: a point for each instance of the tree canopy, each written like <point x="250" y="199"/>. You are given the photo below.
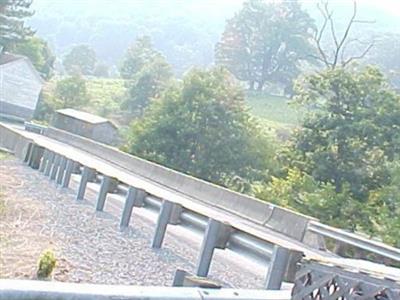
<point x="40" y="54"/>
<point x="266" y="42"/>
<point x="353" y="127"/>
<point x="201" y="127"/>
<point x="80" y="60"/>
<point x="12" y="23"/>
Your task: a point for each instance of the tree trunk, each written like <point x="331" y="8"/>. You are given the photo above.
<point x="260" y="85"/>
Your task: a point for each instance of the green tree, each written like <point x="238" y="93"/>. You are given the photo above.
<point x="40" y="54"/>
<point x="80" y="60"/>
<point x="12" y="27"/>
<point x="201" y="127"/>
<point x="148" y="83"/>
<point x="266" y="42"/>
<point x="140" y="54"/>
<point x="70" y="92"/>
<point x="352" y="129"/>
<point x="384" y="207"/>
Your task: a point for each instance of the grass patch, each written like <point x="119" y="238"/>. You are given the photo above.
<point x="105" y="94"/>
<point x="274" y="109"/>
<point x="4" y="155"/>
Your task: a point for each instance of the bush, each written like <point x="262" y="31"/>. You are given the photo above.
<point x="46" y="265"/>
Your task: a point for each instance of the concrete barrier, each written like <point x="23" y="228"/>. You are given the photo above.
<point x="11" y="140"/>
<point x="279" y="219"/>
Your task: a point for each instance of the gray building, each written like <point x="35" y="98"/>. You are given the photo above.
<point x="87" y="125"/>
<point x="20" y="86"/>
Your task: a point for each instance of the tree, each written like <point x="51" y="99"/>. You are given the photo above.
<point x="40" y="54"/>
<point x="71" y="92"/>
<point x="80" y="60"/>
<point x="148" y="84"/>
<point x="201" y="127"/>
<point x="352" y="130"/>
<point x="140" y="54"/>
<point x="266" y="42"/>
<point x="12" y="27"/>
<point x="335" y="55"/>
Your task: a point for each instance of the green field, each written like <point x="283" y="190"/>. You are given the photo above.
<point x="275" y="113"/>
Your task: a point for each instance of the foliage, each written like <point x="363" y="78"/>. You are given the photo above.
<point x="12" y="27"/>
<point x="71" y="92"/>
<point x="47" y="263"/>
<point x="303" y="193"/>
<point x="80" y="60"/>
<point x="105" y="96"/>
<point x="384" y="208"/>
<point x="266" y="42"/>
<point x="148" y="83"/>
<point x="140" y="54"/>
<point x="201" y="127"/>
<point x="101" y="70"/>
<point x="40" y="54"/>
<point x="353" y="128"/>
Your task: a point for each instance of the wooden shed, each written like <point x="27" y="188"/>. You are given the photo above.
<point x="87" y="125"/>
<point x="20" y="86"/>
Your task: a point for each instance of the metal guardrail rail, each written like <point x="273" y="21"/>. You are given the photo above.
<point x="355" y="240"/>
<point x="34" y="290"/>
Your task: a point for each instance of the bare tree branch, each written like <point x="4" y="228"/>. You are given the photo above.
<point x="338" y="51"/>
<point x="345" y="63"/>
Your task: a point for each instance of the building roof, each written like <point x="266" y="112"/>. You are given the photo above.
<point x="6" y="58"/>
<point x="83" y="116"/>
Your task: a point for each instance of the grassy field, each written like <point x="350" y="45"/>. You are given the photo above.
<point x="275" y="113"/>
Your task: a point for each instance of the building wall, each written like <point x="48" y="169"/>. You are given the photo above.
<point x="19" y="89"/>
<point x="103" y="133"/>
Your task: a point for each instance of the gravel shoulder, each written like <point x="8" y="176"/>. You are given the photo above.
<point x="88" y="245"/>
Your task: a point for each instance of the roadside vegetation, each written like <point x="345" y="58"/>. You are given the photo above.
<point x="288" y="114"/>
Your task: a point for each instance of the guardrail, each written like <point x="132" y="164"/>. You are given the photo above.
<point x="355" y="240"/>
<point x="33" y="290"/>
<point x="223" y="228"/>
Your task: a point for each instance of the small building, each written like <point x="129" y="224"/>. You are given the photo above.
<point x="20" y="86"/>
<point x="87" y="125"/>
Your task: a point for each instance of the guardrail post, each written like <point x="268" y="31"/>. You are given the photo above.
<point x="134" y="198"/>
<point x="216" y="236"/>
<point x="283" y="266"/>
<point x="44" y="160"/>
<point x="28" y="153"/>
<point x="54" y="170"/>
<point x="49" y="163"/>
<point x="61" y="169"/>
<point x="107" y="185"/>
<point x="35" y="156"/>
<point x="84" y="180"/>
<point x="162" y="222"/>
<point x="68" y="172"/>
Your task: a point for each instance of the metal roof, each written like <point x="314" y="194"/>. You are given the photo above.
<point x="83" y="116"/>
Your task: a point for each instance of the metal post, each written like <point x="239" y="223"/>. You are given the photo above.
<point x="134" y="198"/>
<point x="162" y="222"/>
<point x="84" y="180"/>
<point x="61" y="169"/>
<point x="28" y="153"/>
<point x="44" y="160"/>
<point x="277" y="268"/>
<point x="49" y="163"/>
<point x="216" y="236"/>
<point x="56" y="163"/>
<point x="68" y="172"/>
<point x="107" y="184"/>
<point x="36" y="154"/>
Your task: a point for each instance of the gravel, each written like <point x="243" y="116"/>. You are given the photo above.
<point x="89" y="245"/>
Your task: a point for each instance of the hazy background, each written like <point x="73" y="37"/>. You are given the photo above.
<point x="184" y="31"/>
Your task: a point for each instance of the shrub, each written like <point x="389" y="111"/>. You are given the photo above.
<point x="47" y="264"/>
